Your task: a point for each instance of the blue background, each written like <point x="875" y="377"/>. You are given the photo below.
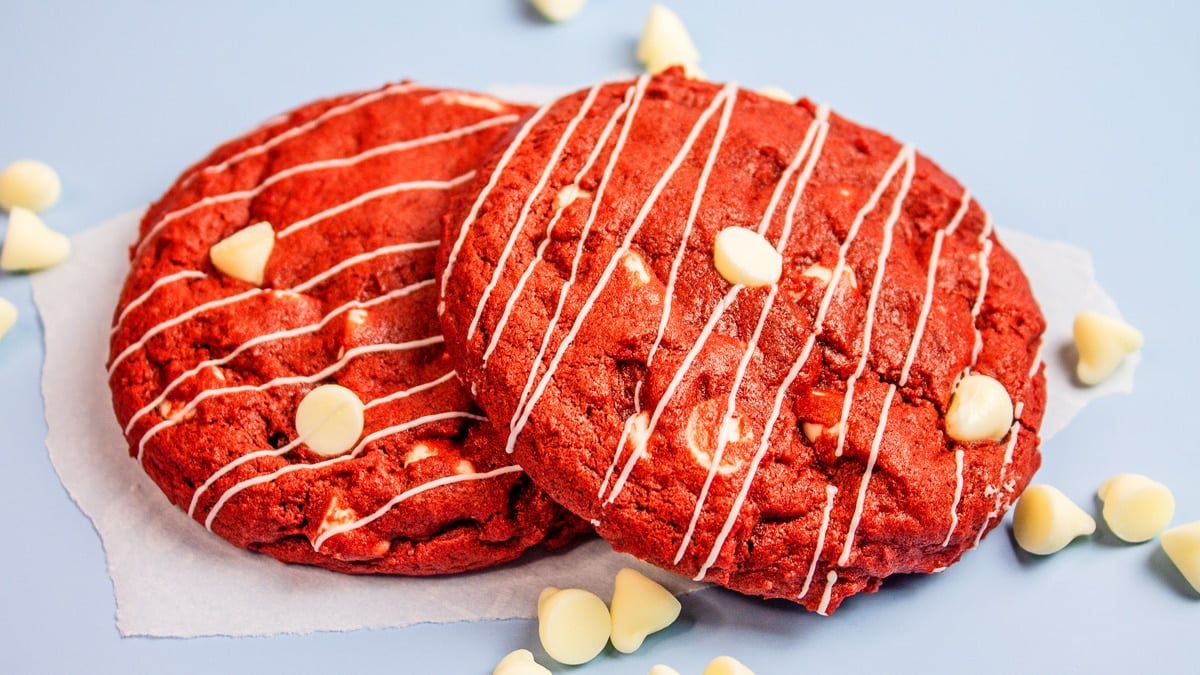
<point x="1071" y="121"/>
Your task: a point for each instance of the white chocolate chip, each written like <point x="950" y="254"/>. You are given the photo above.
<point x="640" y="606"/>
<point x="726" y="665"/>
<point x="1045" y="520"/>
<point x="665" y="42"/>
<point x="464" y="467"/>
<point x="558" y="10"/>
<point x="981" y="409"/>
<point x="8" y="316"/>
<point x="702" y="438"/>
<point x="573" y="625"/>
<point x="1182" y="546"/>
<point x="176" y="412"/>
<point x="29" y="245"/>
<point x="417" y="453"/>
<point x="568" y="195"/>
<point x="637" y="431"/>
<point x="777" y="93"/>
<point x="825" y="275"/>
<point x="1136" y="508"/>
<point x="814" y="431"/>
<point x="330" y="420"/>
<point x="29" y="184"/>
<point x="356" y="317"/>
<point x="243" y="255"/>
<point x="745" y="257"/>
<point x="520" y="662"/>
<point x="636" y="266"/>
<point x="660" y="669"/>
<point x="336" y="514"/>
<point x="1102" y="343"/>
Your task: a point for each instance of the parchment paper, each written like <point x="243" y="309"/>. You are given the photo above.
<point x="173" y="578"/>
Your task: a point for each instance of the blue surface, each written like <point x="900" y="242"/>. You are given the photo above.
<point x="1070" y="123"/>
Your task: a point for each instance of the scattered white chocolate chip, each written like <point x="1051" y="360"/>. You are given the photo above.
<point x="640" y="606"/>
<point x="573" y="625"/>
<point x="660" y="669"/>
<point x="1135" y="507"/>
<point x="825" y="275"/>
<point x="1045" y="520"/>
<point x="981" y="409"/>
<point x="243" y="255"/>
<point x="8" y="316"/>
<point x="464" y="467"/>
<point x="1182" y="546"/>
<point x="558" y="10"/>
<point x="520" y="662"/>
<point x="726" y="665"/>
<point x="330" y="420"/>
<point x="29" y="245"/>
<point x="745" y="257"/>
<point x="1102" y="343"/>
<point x="29" y="184"/>
<point x="665" y="42"/>
<point x="777" y="93"/>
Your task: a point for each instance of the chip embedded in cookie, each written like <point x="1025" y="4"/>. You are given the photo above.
<point x="780" y="432"/>
<point x="276" y="362"/>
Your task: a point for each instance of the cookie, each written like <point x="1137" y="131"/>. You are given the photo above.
<point x="208" y="371"/>
<point x="787" y="440"/>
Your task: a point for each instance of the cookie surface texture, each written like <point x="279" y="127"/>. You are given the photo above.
<point x="208" y="371"/>
<point x="786" y="440"/>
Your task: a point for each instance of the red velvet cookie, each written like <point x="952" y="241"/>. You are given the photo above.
<point x="207" y="371"/>
<point x="787" y="440"/>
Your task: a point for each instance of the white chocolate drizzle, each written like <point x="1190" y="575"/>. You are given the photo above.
<point x="179" y="411"/>
<point x="536" y="192"/>
<point x="321" y="165"/>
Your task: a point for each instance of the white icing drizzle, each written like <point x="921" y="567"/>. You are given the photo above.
<point x="856" y="517"/>
<point x="536" y="192"/>
<point x="408" y="494"/>
<point x="367" y="440"/>
<point x="301" y="129"/>
<point x="781" y="393"/>
<point x="277" y="452"/>
<point x="285" y="381"/>
<point x="985" y="252"/>
<point x="346" y="355"/>
<point x="319" y="165"/>
<point x="930" y="278"/>
<point x="827" y="594"/>
<point x="520" y="419"/>
<point x="238" y="297"/>
<point x="272" y="337"/>
<point x="464" y="98"/>
<point x="639" y="90"/>
<point x="510" y="304"/>
<point x="697" y="197"/>
<point x="158" y="283"/>
<point x="958" y="487"/>
<point x="830" y="493"/>
<point x="907" y="153"/>
<point x="405" y="393"/>
<point x="768" y="303"/>
<point x="487" y="189"/>
<point x="365" y="197"/>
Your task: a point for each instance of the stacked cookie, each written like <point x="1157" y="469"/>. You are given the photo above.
<point x="852" y="391"/>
